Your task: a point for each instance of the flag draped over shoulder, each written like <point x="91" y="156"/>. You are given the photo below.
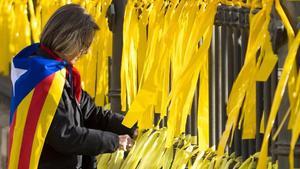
<point x="37" y="88"/>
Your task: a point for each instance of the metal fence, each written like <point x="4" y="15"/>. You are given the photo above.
<point x="227" y="54"/>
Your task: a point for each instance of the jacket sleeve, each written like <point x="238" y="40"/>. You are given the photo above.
<point x="97" y="118"/>
<point x="65" y="137"/>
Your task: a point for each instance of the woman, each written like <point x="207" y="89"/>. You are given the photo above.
<point x="62" y="128"/>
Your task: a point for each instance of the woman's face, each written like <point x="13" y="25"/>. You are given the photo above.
<point x="73" y="59"/>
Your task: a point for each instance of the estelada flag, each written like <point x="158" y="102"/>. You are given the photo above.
<point x="37" y="88"/>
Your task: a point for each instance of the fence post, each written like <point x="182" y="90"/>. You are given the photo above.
<point x="116" y="14"/>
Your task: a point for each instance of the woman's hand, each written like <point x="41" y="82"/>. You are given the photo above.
<point x="125" y="142"/>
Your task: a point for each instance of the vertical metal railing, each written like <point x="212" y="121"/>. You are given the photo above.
<point x="280" y="148"/>
<point x="227" y="56"/>
<point x="116" y="15"/>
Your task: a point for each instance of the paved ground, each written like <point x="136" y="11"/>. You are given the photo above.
<point x="5" y="90"/>
<point x="4" y="115"/>
<point x="4" y="118"/>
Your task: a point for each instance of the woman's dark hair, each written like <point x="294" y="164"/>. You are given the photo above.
<point x="70" y="30"/>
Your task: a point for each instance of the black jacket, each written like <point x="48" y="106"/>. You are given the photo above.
<point x="78" y="132"/>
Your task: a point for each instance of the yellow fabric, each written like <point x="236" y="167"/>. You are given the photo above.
<point x="292" y="94"/>
<point x="14" y="31"/>
<point x="244" y="87"/>
<point x="153" y="61"/>
<point x="290" y="59"/>
<point x="267" y="65"/>
<point x="292" y="79"/>
<point x="151" y="74"/>
<point x="203" y="108"/>
<point x="295" y="128"/>
<point x="129" y="56"/>
<point x="93" y="67"/>
<point x="35" y="20"/>
<point x="6" y="23"/>
<point x="180" y="52"/>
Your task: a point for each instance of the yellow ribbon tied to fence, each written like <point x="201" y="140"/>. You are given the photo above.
<point x="242" y="97"/>
<point x="288" y="64"/>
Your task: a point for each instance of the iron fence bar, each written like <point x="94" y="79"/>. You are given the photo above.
<point x="194" y="118"/>
<point x="188" y="125"/>
<point x="117" y="10"/>
<point x="212" y="86"/>
<point x="218" y="78"/>
<point x="233" y="34"/>
<point x="259" y="113"/>
<point x="274" y="79"/>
